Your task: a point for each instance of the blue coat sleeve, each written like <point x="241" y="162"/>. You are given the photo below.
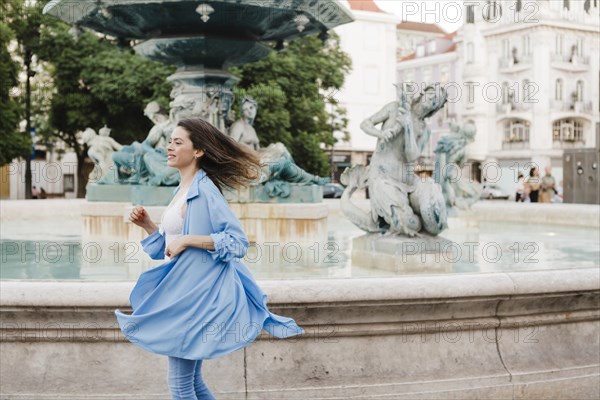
<point x="228" y="235"/>
<point x="154" y="245"/>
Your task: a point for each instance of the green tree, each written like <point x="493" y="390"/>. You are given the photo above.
<point x="13" y="144"/>
<point x="97" y="83"/>
<point x="84" y="81"/>
<point x="24" y="19"/>
<point x="293" y="89"/>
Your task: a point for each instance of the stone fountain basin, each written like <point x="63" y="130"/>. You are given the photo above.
<point x="488" y="335"/>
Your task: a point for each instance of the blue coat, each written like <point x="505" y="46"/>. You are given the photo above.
<point x="201" y="304"/>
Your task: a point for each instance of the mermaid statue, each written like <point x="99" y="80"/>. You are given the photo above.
<point x="402" y="203"/>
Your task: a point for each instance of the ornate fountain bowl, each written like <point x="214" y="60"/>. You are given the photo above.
<point x="213" y="34"/>
<point x="202" y="51"/>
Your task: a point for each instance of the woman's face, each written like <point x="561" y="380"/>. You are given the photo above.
<point x="180" y="151"/>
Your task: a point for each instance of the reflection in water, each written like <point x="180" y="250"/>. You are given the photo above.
<point x="29" y="251"/>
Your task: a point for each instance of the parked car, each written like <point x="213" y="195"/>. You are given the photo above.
<point x="332" y="191"/>
<point x="493" y="192"/>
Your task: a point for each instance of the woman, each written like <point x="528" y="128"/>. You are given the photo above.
<point x="520" y="188"/>
<point x="533" y="185"/>
<point x="202" y="302"/>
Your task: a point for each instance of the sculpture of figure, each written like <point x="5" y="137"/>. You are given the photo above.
<point x="146" y="162"/>
<point x="155" y="158"/>
<point x="242" y="130"/>
<point x="279" y="169"/>
<point x="100" y="149"/>
<point x="401" y="202"/>
<point x="104" y="131"/>
<point x="450" y="158"/>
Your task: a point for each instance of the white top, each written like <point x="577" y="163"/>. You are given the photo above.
<point x="171" y="221"/>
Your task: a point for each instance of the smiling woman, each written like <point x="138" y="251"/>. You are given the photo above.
<point x="187" y="307"/>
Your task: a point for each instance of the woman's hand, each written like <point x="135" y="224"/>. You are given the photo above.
<point x="139" y="216"/>
<point x="176" y="246"/>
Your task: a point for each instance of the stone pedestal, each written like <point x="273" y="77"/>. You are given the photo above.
<point x="116" y="192"/>
<point x="258" y="194"/>
<point x="403" y="255"/>
<point x="135" y="194"/>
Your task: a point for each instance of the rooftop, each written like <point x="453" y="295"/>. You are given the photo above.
<point x="420" y="27"/>
<point x="364" y="5"/>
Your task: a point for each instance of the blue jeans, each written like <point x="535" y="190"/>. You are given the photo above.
<point x="185" y="380"/>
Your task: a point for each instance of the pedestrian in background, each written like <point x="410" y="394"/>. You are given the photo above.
<point x="520" y="189"/>
<point x="532" y="185"/>
<point x="548" y="187"/>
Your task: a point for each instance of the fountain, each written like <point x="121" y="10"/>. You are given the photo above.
<point x="483" y="329"/>
<point x="203" y="39"/>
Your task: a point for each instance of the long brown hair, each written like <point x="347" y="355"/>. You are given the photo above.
<point x="226" y="162"/>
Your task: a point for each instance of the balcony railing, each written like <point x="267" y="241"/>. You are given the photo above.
<point x="510" y="62"/>
<point x="580" y="107"/>
<point x="515" y="144"/>
<point x="568" y="144"/>
<point x="507" y="108"/>
<point x="570" y="63"/>
<point x="570" y="59"/>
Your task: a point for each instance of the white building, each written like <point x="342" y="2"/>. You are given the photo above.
<point x="53" y="171"/>
<point x="370" y="42"/>
<point x="530" y="77"/>
<point x="433" y="60"/>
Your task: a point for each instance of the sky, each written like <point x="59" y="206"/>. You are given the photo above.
<point x="446" y="13"/>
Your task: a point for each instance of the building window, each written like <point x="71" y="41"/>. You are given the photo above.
<point x="580" y="47"/>
<point x="470" y="53"/>
<point x="444" y="74"/>
<point x="566" y="4"/>
<point x="559" y="44"/>
<point x="567" y="130"/>
<point x="470" y="94"/>
<point x="519" y="6"/>
<point x="505" y="48"/>
<point x="68" y="182"/>
<point x="431" y="48"/>
<point x="527" y="87"/>
<point x="471" y="14"/>
<point x="492" y="10"/>
<point x="579" y="91"/>
<point x="420" y="51"/>
<point x="558" y="90"/>
<point x="526" y="45"/>
<point x="516" y="130"/>
<point x="427" y="75"/>
<point x="505" y="93"/>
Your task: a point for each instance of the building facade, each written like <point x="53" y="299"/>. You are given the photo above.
<point x="530" y="82"/>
